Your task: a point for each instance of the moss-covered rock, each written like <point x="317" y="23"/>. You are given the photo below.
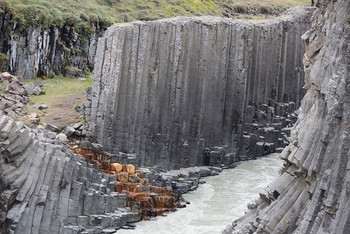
<point x="72" y="71"/>
<point x="4" y="59"/>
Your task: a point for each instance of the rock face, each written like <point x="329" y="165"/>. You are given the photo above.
<point x="36" y="51"/>
<point x="46" y="188"/>
<point x="166" y="89"/>
<point x="312" y="193"/>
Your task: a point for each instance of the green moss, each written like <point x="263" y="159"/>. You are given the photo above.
<point x="81" y="14"/>
<point x="3" y="62"/>
<point x="3" y="57"/>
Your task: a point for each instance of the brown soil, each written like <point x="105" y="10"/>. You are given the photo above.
<point x="62" y="112"/>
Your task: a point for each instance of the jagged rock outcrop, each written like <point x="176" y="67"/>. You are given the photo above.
<point x="166" y="89"/>
<point x="35" y="51"/>
<point x="46" y="188"/>
<point x="312" y="193"/>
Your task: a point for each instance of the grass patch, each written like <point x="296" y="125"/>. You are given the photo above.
<point x="3" y="61"/>
<point x="261" y="7"/>
<point x="58" y="87"/>
<point x="61" y="96"/>
<point x="83" y="13"/>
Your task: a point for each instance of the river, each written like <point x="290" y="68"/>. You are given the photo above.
<point x="218" y="202"/>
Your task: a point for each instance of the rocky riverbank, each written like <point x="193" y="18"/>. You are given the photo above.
<point x="143" y="112"/>
<point x="45" y="187"/>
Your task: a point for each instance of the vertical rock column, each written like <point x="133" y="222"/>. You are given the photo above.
<point x="165" y="89"/>
<point x="46" y="188"/>
<point x="312" y="193"/>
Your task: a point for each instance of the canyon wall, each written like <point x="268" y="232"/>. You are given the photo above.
<point x="36" y="51"/>
<point x="312" y="193"/>
<point x="46" y="188"/>
<point x="166" y="89"/>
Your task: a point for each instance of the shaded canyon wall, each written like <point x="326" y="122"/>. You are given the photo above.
<point x="166" y="89"/>
<point x="36" y="51"/>
<point x="312" y="193"/>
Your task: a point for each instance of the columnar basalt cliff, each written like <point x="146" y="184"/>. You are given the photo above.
<point x="36" y="51"/>
<point x="166" y="89"/>
<point x="312" y="193"/>
<point x="46" y="188"/>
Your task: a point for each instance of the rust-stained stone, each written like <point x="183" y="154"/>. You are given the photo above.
<point x="142" y="197"/>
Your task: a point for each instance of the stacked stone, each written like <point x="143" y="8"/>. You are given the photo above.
<point x="312" y="193"/>
<point x="46" y="188"/>
<point x="166" y="89"/>
<point x="186" y="179"/>
<point x="16" y="94"/>
<point x="267" y="129"/>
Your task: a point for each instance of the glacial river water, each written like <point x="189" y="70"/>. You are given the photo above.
<point x="218" y="202"/>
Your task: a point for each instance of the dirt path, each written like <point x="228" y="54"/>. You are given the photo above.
<point x="62" y="111"/>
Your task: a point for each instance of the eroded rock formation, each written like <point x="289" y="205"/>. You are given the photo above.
<point x="36" y="51"/>
<point x="46" y="188"/>
<point x="166" y="89"/>
<point x="312" y="193"/>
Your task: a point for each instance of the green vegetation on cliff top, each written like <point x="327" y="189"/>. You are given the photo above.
<point x="81" y="13"/>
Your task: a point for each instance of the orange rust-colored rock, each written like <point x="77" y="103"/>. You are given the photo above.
<point x="123" y="177"/>
<point x="130" y="169"/>
<point x="143" y="197"/>
<point x="117" y="167"/>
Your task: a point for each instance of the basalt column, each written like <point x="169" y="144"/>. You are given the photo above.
<point x="312" y="194"/>
<point x="166" y="89"/>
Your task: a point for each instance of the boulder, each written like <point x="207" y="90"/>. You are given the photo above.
<point x="38" y="83"/>
<point x="78" y="125"/>
<point x="37" y="91"/>
<point x="69" y="131"/>
<point x="62" y="137"/>
<point x="40" y="106"/>
<point x="7" y="76"/>
<point x="72" y="71"/>
<point x="51" y="127"/>
<point x="29" y="87"/>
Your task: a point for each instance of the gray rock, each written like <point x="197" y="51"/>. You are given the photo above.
<point x="40" y="106"/>
<point x="69" y="131"/>
<point x="51" y="135"/>
<point x="78" y="108"/>
<point x="37" y="91"/>
<point x="233" y="69"/>
<point x="29" y="87"/>
<point x="86" y="145"/>
<point x="72" y="71"/>
<point x="51" y="127"/>
<point x="77" y="125"/>
<point x="38" y="83"/>
<point x="311" y="195"/>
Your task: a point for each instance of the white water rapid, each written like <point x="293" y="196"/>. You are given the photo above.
<point x="218" y="202"/>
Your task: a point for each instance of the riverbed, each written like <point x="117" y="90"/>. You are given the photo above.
<point x="218" y="202"/>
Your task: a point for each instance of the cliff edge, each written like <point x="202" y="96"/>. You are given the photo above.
<point x="166" y="89"/>
<point x="312" y="194"/>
